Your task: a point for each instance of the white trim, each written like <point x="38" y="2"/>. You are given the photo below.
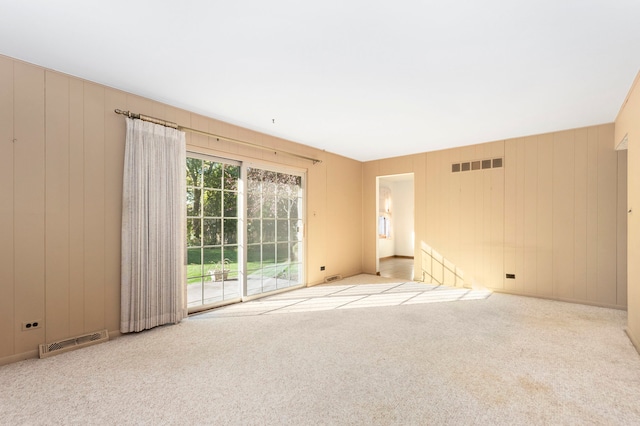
<point x="272" y="292"/>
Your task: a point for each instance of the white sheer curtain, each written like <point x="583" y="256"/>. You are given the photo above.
<point x="153" y="290"/>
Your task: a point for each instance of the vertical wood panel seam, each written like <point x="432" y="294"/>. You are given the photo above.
<point x="104" y="202"/>
<point x="553" y="210"/>
<point x="84" y="210"/>
<point x="597" y="266"/>
<point x="554" y="160"/>
<point x="554" y="191"/>
<point x="521" y="231"/>
<point x="13" y="205"/>
<point x="68" y="124"/>
<point x="574" y="210"/>
<point x="597" y="242"/>
<point x="45" y="74"/>
<point x="589" y="243"/>
<point x="537" y="286"/>
<point x="573" y="190"/>
<point x="101" y="139"/>
<point x="586" y="222"/>
<point x="616" y="223"/>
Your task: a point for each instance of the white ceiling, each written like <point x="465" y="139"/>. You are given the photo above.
<point x="364" y="79"/>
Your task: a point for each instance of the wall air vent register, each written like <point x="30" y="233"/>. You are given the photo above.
<point x="491" y="163"/>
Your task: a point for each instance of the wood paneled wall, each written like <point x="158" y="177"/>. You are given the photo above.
<point x="553" y="215"/>
<point x="61" y="163"/>
<point x="562" y="216"/>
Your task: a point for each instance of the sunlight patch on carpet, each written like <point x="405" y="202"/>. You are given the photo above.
<point x="350" y="296"/>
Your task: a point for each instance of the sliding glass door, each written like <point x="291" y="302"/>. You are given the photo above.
<point x="274" y="230"/>
<point x="226" y="202"/>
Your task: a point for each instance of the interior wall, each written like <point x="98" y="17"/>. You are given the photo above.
<point x="61" y="162"/>
<point x="343" y="231"/>
<point x="386" y="247"/>
<point x="628" y="124"/>
<point x="552" y="215"/>
<point x="403" y="219"/>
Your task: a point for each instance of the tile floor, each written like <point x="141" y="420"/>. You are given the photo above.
<point x="396" y="267"/>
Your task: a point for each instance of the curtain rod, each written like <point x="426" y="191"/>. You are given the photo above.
<point x="218" y="137"/>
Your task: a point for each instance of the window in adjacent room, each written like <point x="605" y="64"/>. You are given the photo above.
<point x="384" y="225"/>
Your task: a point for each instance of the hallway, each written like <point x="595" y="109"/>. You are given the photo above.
<point x="397" y="267"/>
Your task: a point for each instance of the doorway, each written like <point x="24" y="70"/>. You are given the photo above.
<point x="395" y="226"/>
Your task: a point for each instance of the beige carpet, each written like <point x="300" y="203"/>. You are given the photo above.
<point x="392" y="353"/>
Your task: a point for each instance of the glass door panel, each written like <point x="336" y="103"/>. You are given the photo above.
<point x="274" y="230"/>
<point x="212" y="232"/>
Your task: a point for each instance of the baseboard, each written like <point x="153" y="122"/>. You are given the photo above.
<point x="19" y="357"/>
<point x="395" y="256"/>
<point x="634" y="342"/>
<point x="346" y="275"/>
<point x="34" y="354"/>
<point x="559" y="299"/>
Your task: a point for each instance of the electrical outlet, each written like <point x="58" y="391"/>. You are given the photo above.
<point x="322" y="268"/>
<point x="31" y="325"/>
